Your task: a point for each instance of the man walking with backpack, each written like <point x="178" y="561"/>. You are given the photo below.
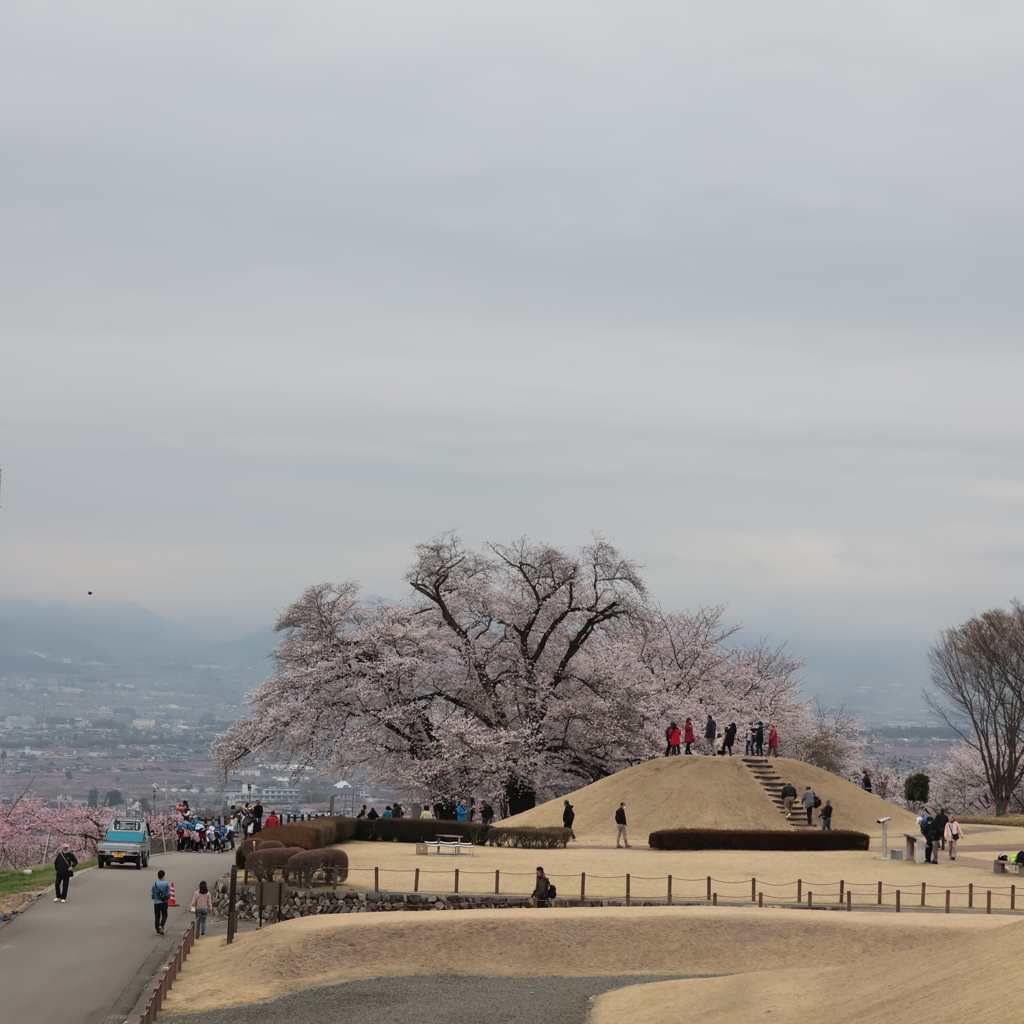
<point x="810" y="801"/>
<point x="620" y="827"/>
<point x="543" y="891"/>
<point x="160" y="894"/>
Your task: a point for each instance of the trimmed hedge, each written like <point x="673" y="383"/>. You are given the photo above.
<point x="554" y="838"/>
<point x="1014" y="820"/>
<point x="418" y="830"/>
<point x="743" y="839"/>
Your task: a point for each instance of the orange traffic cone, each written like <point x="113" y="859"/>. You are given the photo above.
<point x="172" y="902"/>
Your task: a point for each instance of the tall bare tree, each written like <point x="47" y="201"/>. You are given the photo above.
<point x="978" y="675"/>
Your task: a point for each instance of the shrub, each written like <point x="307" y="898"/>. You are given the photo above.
<point x="246" y="846"/>
<point x="915" y="788"/>
<point x="530" y="838"/>
<point x="299" y="835"/>
<point x="743" y="839"/>
<point x="262" y="862"/>
<point x="419" y="830"/>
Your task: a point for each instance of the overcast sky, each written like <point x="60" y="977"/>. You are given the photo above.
<point x="286" y="288"/>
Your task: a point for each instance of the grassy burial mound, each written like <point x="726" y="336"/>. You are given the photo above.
<point x="709" y="792"/>
<point x="973" y="977"/>
<point x="314" y="951"/>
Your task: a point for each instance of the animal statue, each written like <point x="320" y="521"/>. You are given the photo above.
<point x="306" y="864"/>
<point x="263" y="862"/>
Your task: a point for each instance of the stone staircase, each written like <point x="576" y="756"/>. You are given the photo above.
<point x="771" y="782"/>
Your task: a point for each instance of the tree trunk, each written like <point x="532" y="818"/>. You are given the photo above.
<point x="520" y="796"/>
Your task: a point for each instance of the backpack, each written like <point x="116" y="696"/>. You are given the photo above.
<point x="817" y="801"/>
<point x="552" y="891"/>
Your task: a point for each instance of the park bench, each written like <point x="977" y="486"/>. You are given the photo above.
<point x="452" y="846"/>
<point x="1003" y="867"/>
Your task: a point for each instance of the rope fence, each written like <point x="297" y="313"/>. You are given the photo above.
<point x="669" y="889"/>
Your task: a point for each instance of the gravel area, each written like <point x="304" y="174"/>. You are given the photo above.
<point x="430" y="999"/>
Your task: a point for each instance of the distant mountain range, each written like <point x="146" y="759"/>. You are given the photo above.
<point x="70" y="639"/>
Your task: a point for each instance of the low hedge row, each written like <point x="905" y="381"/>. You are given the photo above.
<point x="743" y="839"/>
<point x="529" y="838"/>
<point x="418" y="830"/>
<point x="1015" y="820"/>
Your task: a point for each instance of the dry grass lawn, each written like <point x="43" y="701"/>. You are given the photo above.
<point x="315" y="951"/>
<point x="731" y="870"/>
<point x="972" y="977"/>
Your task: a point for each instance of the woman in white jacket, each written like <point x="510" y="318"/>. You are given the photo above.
<point x="952" y="832"/>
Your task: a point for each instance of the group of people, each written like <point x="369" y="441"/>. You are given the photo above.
<point x="810" y="802"/>
<point x="940" y="832"/>
<point x="721" y="743"/>
<point x="461" y="811"/>
<point x="160" y="894"/>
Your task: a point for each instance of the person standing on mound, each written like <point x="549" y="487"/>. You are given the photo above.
<point x="710" y="731"/>
<point x="620" y="827"/>
<point x="688" y="735"/>
<point x="810" y="801"/>
<point x="674" y="737"/>
<point x="826" y="817"/>
<point x="865" y="781"/>
<point x="568" y="817"/>
<point x="773" y="740"/>
<point x="759" y="739"/>
<point x="788" y="798"/>
<point x="729" y="739"/>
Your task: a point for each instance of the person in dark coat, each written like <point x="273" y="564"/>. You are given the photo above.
<point x="64" y="867"/>
<point x="257" y="817"/>
<point x="710" y="732"/>
<point x="487" y="814"/>
<point x="541" y="891"/>
<point x="372" y="814"/>
<point x="568" y="816"/>
<point x="759" y="739"/>
<point x="939" y="823"/>
<point x="729" y="738"/>
<point x="865" y="781"/>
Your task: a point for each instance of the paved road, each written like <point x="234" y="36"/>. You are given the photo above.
<point x="435" y="999"/>
<point x="87" y="961"/>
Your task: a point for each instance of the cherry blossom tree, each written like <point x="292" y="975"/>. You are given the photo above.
<point x="518" y="670"/>
<point x="31" y="831"/>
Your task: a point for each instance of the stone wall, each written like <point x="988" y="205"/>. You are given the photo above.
<point x="307" y="902"/>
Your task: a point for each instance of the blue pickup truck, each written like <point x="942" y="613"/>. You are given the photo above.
<point x="127" y="842"/>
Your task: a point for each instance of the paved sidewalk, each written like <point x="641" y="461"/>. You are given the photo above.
<point x="87" y="961"/>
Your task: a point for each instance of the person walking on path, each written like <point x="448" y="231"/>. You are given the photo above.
<point x="952" y="833"/>
<point x="788" y="799"/>
<point x="160" y="894"/>
<point x="865" y="781"/>
<point x="64" y="865"/>
<point x="674" y="738"/>
<point x="933" y="833"/>
<point x="202" y="904"/>
<point x="810" y="801"/>
<point x="939" y="824"/>
<point x="709" y="736"/>
<point x="688" y="735"/>
<point x="568" y="817"/>
<point x="729" y="739"/>
<point x="826" y="817"/>
<point x="773" y="740"/>
<point x="542" y="890"/>
<point x="620" y="827"/>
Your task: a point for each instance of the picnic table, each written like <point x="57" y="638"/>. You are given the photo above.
<point x="446" y="845"/>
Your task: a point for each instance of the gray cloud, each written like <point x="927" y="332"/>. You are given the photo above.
<point x="284" y="290"/>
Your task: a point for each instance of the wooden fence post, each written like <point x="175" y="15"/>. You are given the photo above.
<point x="760" y="900"/>
<point x="988" y="902"/>
<point x="753" y="889"/>
<point x="416" y="881"/>
<point x="456" y="879"/>
<point x="879" y="893"/>
<point x="810" y="900"/>
<point x="970" y="896"/>
<point x="376" y="879"/>
<point x="924" y="886"/>
<point x="714" y="899"/>
<point x="897" y="901"/>
<point x="232" y="896"/>
<point x="583" y="887"/>
<point x="849" y="900"/>
<point x="1013" y="897"/>
<point x="627" y="890"/>
<point x="709" y="887"/>
<point x="668" y="898"/>
<point x="799" y="890"/>
<point x="842" y="886"/>
<point x="947" y="901"/>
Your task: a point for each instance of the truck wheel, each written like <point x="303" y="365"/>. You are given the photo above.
<point x="138" y="864"/>
<point x="99" y="862"/>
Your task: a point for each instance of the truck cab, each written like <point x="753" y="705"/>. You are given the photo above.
<point x="127" y="842"/>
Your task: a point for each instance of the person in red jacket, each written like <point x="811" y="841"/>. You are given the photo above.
<point x="773" y="741"/>
<point x="674" y="737"/>
<point x="688" y="735"/>
<point x="272" y="821"/>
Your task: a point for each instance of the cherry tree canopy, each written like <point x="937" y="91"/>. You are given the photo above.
<point x="516" y="671"/>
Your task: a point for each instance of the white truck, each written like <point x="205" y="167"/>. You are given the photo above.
<point x="127" y="842"/>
